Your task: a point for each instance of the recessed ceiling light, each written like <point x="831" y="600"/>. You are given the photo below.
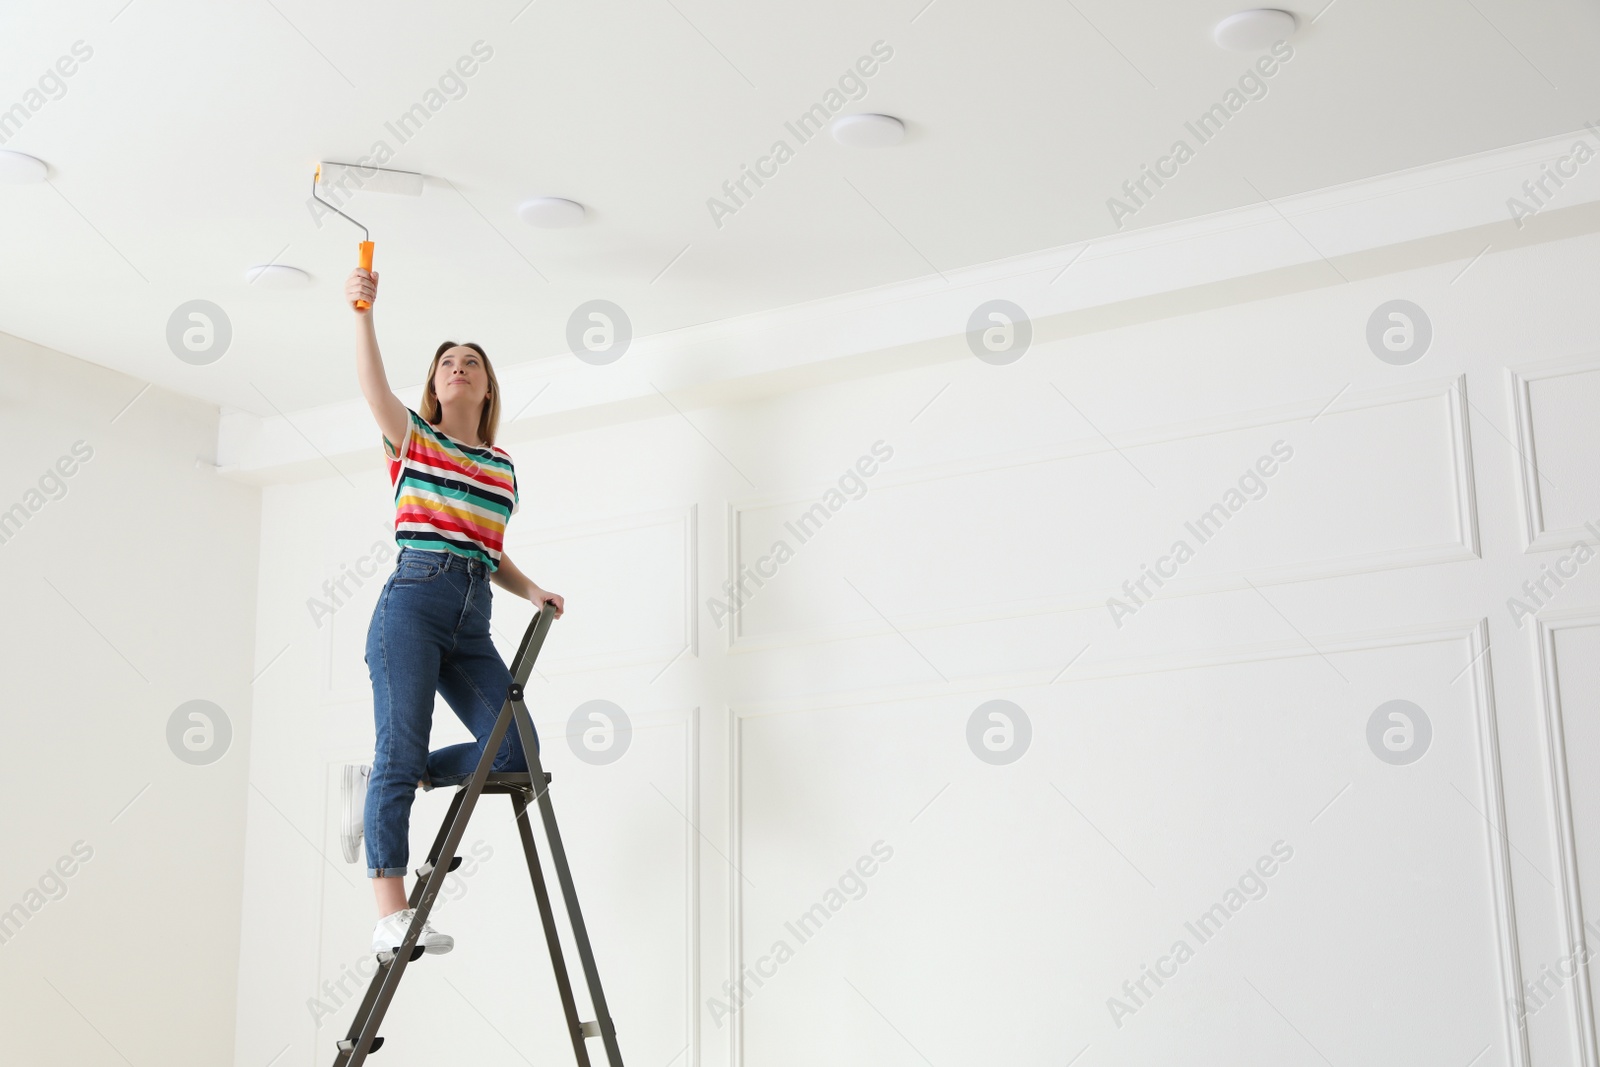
<point x="277" y="276"/>
<point x="1251" y="31"/>
<point x="18" y="169"/>
<point x="868" y="131"/>
<point x="550" y="212"/>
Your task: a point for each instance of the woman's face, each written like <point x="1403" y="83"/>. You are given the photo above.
<point x="461" y="376"/>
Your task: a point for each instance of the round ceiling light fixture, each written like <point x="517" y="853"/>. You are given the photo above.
<point x="868" y="131"/>
<point x="550" y="212"/>
<point x="276" y="276"/>
<point x="1251" y="31"/>
<point x="19" y="169"/>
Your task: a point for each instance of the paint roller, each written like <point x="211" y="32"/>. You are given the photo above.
<point x="350" y="178"/>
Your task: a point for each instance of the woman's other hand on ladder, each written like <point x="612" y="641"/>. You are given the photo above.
<point x="539" y="596"/>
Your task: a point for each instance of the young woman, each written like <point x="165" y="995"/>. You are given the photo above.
<point x="454" y="492"/>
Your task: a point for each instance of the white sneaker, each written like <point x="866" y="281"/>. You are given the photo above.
<point x="391" y="931"/>
<point x="353" y="791"/>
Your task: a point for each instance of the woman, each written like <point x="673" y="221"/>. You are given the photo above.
<point x="454" y="492"/>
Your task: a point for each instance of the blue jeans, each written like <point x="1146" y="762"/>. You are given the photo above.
<point x="430" y="631"/>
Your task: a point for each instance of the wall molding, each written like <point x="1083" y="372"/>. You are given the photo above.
<point x="1547" y="626"/>
<point x="735" y="845"/>
<point x="1492" y="792"/>
<point x="1535" y="536"/>
<point x="1465" y="546"/>
<point x="692" y="954"/>
<point x="1474" y="633"/>
<point x="688" y="519"/>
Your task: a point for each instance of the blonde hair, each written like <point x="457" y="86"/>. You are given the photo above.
<point x="432" y="411"/>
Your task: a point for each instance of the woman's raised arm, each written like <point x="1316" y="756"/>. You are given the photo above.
<point x="390" y="413"/>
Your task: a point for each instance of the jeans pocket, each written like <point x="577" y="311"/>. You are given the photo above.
<point x="415" y="571"/>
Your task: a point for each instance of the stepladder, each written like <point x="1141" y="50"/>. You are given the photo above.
<point x="526" y="789"/>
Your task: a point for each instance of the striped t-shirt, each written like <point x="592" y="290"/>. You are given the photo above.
<point x="450" y="496"/>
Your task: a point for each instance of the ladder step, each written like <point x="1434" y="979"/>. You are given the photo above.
<point x="427" y="868"/>
<point x="590" y="1028"/>
<point x="386" y="957"/>
<point x="349" y="1045"/>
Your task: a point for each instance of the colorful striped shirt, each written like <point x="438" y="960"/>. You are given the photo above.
<point x="450" y="496"/>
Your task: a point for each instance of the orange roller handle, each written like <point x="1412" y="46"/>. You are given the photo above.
<point x="365" y="264"/>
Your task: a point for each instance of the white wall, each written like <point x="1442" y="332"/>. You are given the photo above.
<point x="1226" y="716"/>
<point x="128" y="575"/>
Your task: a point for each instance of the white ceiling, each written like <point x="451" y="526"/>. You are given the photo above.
<point x="182" y="152"/>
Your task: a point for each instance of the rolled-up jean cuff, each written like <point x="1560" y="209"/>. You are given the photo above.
<point x="386" y="872"/>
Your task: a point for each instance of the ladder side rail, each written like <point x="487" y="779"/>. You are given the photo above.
<point x="422" y="897"/>
<point x="376" y="984"/>
<point x="552" y="936"/>
<point x="569" y="893"/>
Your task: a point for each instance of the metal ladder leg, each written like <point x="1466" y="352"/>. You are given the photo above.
<point x="602" y="1024"/>
<point x="552" y="937"/>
